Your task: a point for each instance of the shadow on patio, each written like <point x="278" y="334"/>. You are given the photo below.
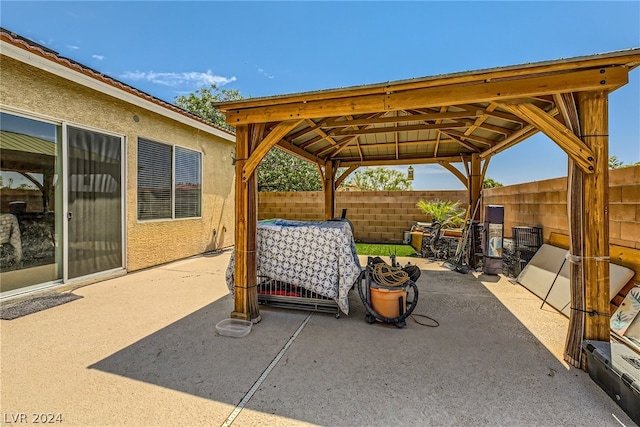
<point x="490" y="362"/>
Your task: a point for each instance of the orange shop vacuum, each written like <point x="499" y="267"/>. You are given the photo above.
<point x="388" y="292"/>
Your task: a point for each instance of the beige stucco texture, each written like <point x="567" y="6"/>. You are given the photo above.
<point x="39" y="94"/>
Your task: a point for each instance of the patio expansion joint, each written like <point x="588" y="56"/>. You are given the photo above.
<point x="265" y="373"/>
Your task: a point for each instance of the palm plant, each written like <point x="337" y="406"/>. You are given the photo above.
<point x="446" y="212"/>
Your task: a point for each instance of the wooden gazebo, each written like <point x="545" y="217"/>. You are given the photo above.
<point x="462" y="118"/>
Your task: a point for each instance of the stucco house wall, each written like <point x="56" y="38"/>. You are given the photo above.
<point x="30" y="90"/>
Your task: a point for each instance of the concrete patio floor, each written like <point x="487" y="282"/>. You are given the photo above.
<point x="142" y="350"/>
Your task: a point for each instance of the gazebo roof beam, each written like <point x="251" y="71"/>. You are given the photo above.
<point x="401" y="161"/>
<point x="496" y="129"/>
<point x="322" y="133"/>
<point x="507" y="116"/>
<point x="627" y="58"/>
<point x="403" y="144"/>
<point x="515" y="138"/>
<point x="478" y="139"/>
<point x="403" y="128"/>
<point x="439" y="136"/>
<point x="304" y="131"/>
<point x="479" y="121"/>
<point x="343" y="143"/>
<point x="492" y="90"/>
<point x="296" y="151"/>
<point x="408" y="118"/>
<point x="462" y="142"/>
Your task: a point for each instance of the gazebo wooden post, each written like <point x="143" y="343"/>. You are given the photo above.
<point x="593" y="118"/>
<point x="475" y="186"/>
<point x="245" y="234"/>
<point x="329" y="191"/>
<point x="573" y="342"/>
<point x="568" y="109"/>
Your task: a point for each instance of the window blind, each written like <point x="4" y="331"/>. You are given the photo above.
<point x="188" y="187"/>
<point x="154" y="180"/>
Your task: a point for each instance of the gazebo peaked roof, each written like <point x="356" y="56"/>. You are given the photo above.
<point x="462" y="117"/>
<point x="437" y="119"/>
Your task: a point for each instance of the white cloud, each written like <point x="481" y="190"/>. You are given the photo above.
<point x="192" y="78"/>
<point x="98" y="57"/>
<point x="72" y="47"/>
<point x="264" y="73"/>
<point x="431" y="170"/>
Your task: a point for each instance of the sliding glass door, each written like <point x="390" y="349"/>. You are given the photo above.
<point x="94" y="214"/>
<point x="62" y="203"/>
<point x="30" y="202"/>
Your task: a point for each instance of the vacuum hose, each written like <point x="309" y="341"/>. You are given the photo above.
<point x="407" y="284"/>
<point x="389" y="276"/>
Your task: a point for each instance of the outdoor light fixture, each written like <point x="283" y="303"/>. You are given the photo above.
<point x="410" y="173"/>
<point x="233" y="157"/>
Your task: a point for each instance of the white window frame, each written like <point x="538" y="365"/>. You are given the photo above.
<point x="173" y="181"/>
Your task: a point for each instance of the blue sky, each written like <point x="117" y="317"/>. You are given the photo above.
<point x="271" y="48"/>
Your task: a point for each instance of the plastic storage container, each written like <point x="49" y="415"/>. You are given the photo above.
<point x="386" y="302"/>
<point x="616" y="369"/>
<point x="236" y="328"/>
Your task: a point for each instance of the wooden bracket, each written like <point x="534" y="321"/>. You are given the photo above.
<point x="448" y="166"/>
<point x="560" y="134"/>
<point x="265" y="145"/>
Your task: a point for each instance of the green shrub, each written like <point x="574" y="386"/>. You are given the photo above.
<point x="446" y="212"/>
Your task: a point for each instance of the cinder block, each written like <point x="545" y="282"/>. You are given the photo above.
<point x="558" y="209"/>
<point x="403" y="225"/>
<point x="386" y="211"/>
<point x="622" y="211"/>
<point x="614" y="229"/>
<point x="625" y="243"/>
<point x="555" y="184"/>
<point x="630" y="231"/>
<point x="615" y="194"/>
<point x="631" y="193"/>
<point x="624" y="176"/>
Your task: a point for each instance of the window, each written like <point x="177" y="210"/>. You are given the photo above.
<point x="169" y="181"/>
<point x="187" y="185"/>
<point x="30" y="202"/>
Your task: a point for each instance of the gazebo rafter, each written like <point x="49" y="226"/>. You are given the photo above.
<point x="459" y="118"/>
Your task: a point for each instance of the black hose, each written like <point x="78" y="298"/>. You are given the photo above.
<point x="411" y="305"/>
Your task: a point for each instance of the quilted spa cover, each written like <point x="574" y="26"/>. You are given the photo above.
<point x="318" y="256"/>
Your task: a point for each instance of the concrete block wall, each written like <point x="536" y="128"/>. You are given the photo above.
<point x="624" y="207"/>
<point x="538" y="203"/>
<point x="377" y="216"/>
<point x="32" y="197"/>
<point x="544" y="203"/>
<point x="383" y="216"/>
<point x="299" y="206"/>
